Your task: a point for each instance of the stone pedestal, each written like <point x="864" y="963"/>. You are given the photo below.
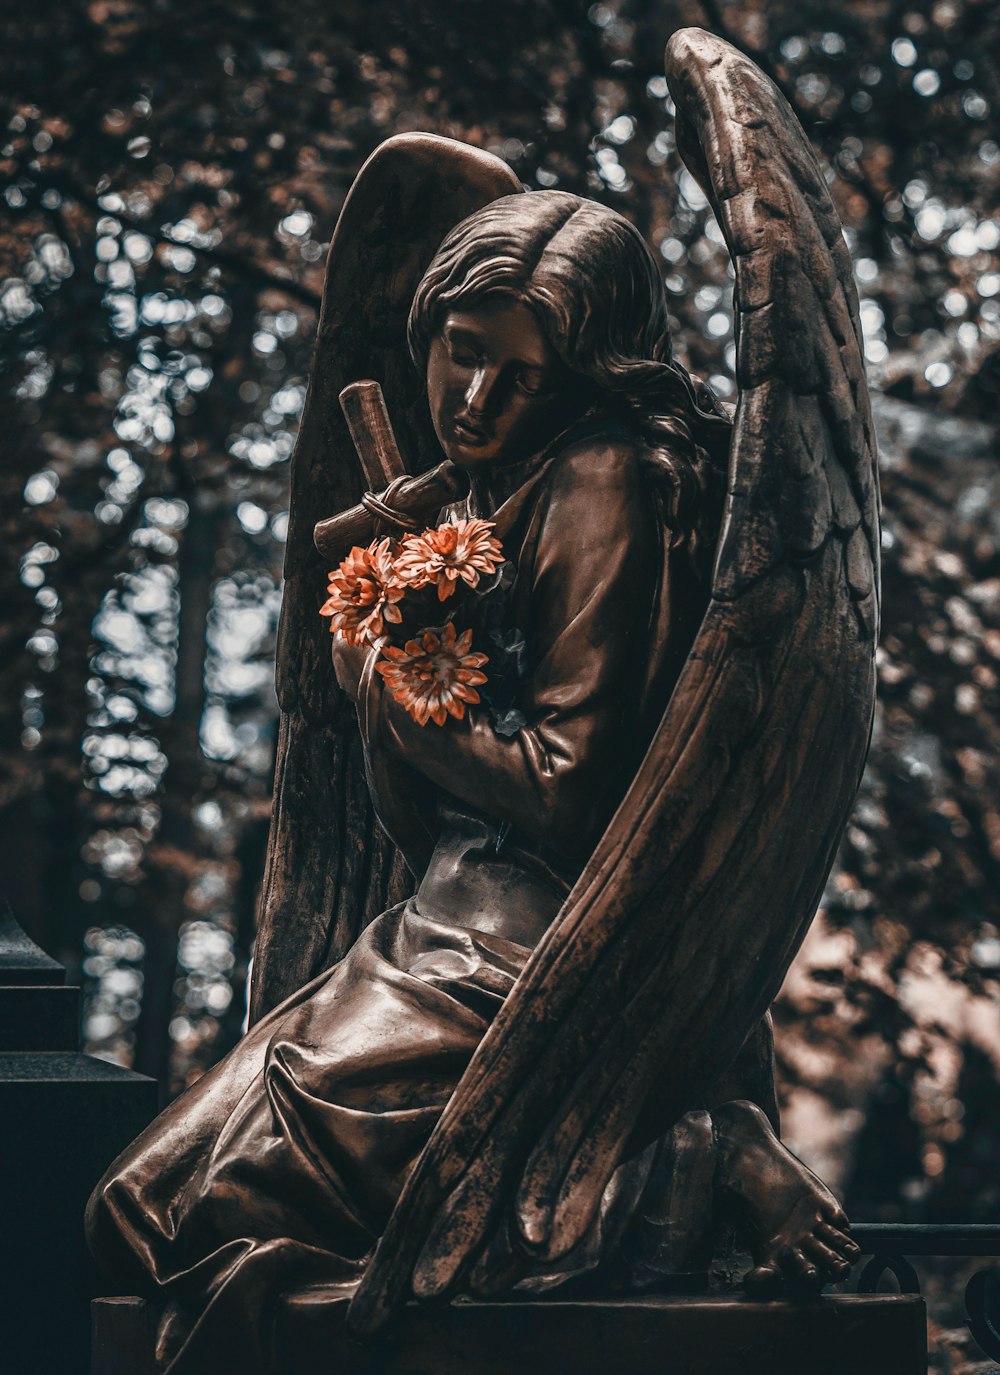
<point x="65" y="1116"/>
<point x="839" y="1335"/>
<point x="843" y="1334"/>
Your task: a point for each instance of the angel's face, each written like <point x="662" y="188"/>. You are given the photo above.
<point x="498" y="393"/>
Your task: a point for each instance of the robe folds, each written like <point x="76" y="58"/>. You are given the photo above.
<point x="280" y="1167"/>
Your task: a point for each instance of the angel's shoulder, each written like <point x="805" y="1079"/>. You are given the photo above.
<point x="604" y="464"/>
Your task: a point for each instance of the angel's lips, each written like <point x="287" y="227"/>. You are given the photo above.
<point x="470" y="436"/>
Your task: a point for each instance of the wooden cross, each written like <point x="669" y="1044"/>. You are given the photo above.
<point x="394" y="499"/>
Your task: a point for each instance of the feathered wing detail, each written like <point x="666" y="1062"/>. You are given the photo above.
<point x="679" y="932"/>
<point x="330" y="869"/>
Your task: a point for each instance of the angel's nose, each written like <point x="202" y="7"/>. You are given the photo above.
<point x="481" y="392"/>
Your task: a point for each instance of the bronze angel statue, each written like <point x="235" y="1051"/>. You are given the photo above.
<point x="526" y="1015"/>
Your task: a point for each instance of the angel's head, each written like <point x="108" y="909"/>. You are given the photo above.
<point x="535" y="309"/>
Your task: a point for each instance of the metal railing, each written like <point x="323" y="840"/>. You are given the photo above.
<point x="891" y="1244"/>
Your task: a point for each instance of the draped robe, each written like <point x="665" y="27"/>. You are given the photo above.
<point x="281" y="1165"/>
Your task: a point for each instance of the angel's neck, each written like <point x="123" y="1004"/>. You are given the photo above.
<point x="492" y="485"/>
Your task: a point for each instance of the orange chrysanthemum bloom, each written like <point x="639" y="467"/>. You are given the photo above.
<point x="363" y="592"/>
<point x="464" y="550"/>
<point x="434" y="677"/>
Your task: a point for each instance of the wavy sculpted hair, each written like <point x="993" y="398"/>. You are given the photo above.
<point x="593" y="285"/>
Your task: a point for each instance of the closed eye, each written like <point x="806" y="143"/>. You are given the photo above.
<point x="529" y="383"/>
<point x="463" y="348"/>
<point x="463" y="357"/>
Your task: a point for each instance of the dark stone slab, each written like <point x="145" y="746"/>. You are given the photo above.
<point x="46" y="1018"/>
<point x="122" y="1333"/>
<point x="65" y="1117"/>
<point x="835" y="1335"/>
<point x="862" y="1335"/>
<point x="22" y="1070"/>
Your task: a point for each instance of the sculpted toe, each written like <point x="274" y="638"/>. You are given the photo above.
<point x="797" y="1265"/>
<point x="829" y="1260"/>
<point x="762" y="1281"/>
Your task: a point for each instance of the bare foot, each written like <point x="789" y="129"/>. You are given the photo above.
<point x="796" y="1229"/>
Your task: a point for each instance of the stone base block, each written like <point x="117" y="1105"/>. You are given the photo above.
<point x="65" y="1117"/>
<point x="848" y="1334"/>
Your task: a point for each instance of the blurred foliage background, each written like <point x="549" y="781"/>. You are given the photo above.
<point x="172" y="173"/>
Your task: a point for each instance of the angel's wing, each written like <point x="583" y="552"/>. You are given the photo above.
<point x="677" y="936"/>
<point x="330" y="869"/>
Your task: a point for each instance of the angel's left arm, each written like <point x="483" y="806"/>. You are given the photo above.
<point x="594" y="581"/>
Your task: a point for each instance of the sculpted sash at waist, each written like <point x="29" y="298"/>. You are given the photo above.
<point x="480" y="877"/>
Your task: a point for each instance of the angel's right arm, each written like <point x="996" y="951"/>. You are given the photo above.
<point x="399" y="793"/>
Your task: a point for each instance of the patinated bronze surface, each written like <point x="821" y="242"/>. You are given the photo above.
<point x="553" y="1059"/>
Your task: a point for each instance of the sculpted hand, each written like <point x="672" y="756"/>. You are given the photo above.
<point x="348" y="663"/>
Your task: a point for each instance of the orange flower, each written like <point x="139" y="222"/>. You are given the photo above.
<point x="363" y="594"/>
<point x="435" y="676"/>
<point x="442" y="556"/>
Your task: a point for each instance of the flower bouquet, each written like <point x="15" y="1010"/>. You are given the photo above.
<point x="414" y="600"/>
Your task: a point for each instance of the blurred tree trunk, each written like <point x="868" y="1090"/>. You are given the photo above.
<point x="171" y="860"/>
